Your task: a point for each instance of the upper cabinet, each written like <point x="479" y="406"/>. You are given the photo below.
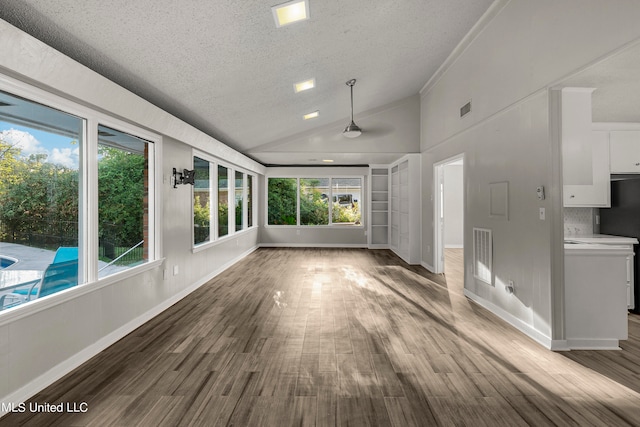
<point x="585" y="153"/>
<point x="625" y="151"/>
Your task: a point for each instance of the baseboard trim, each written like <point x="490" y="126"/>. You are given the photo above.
<point x="593" y="344"/>
<point x="454" y="246"/>
<point x="63" y="368"/>
<point x="523" y="327"/>
<point x="314" y="245"/>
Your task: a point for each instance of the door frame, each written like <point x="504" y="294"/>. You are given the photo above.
<point x="438" y="208"/>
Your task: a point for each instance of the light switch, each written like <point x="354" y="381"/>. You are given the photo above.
<point x="542" y="214"/>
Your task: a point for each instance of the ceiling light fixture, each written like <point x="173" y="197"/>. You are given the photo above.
<point x="311" y="115"/>
<point x="352" y="130"/>
<point x="290" y="12"/>
<point x="327" y="161"/>
<point x="305" y="85"/>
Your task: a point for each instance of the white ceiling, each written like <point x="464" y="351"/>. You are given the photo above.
<point x="617" y="83"/>
<point x="223" y="66"/>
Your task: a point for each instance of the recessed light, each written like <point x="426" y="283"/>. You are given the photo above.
<point x="305" y="85"/>
<point x="327" y="161"/>
<point x="290" y="12"/>
<point x="311" y="115"/>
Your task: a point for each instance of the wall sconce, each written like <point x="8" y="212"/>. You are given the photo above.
<point x="184" y="177"/>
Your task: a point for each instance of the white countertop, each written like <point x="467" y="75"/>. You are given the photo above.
<point x="602" y="239"/>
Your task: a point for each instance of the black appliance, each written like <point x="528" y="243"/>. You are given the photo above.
<point x="623" y="219"/>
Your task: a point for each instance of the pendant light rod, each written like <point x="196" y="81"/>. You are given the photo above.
<point x="352" y="130"/>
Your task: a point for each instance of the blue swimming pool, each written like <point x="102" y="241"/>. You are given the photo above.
<point x="6" y="262"/>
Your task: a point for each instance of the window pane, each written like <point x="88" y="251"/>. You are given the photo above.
<point x="346" y="200"/>
<point x="314" y="201"/>
<point x="282" y="207"/>
<point x="249" y="201"/>
<point x="201" y="201"/>
<point x="223" y="201"/>
<point x="239" y="190"/>
<point x="39" y="195"/>
<point x="123" y="201"/>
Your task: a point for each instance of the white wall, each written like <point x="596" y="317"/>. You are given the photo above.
<point x="506" y="70"/>
<point x="453" y="206"/>
<point x="43" y="340"/>
<point x="330" y="236"/>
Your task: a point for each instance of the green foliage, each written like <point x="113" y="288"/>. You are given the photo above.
<point x="121" y="196"/>
<point x="314" y="206"/>
<point x="346" y="213"/>
<point x="223" y="219"/>
<point x="37" y="197"/>
<point x="282" y="194"/>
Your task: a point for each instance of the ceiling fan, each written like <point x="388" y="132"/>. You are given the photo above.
<point x="352" y="130"/>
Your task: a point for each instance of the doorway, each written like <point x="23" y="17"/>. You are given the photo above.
<point x="449" y="212"/>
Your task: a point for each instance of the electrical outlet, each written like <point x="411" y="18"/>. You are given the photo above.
<point x="510" y="288"/>
<point x="542" y="214"/>
<point x="176" y="270"/>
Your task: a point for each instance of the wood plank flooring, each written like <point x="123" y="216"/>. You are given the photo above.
<point x="341" y="337"/>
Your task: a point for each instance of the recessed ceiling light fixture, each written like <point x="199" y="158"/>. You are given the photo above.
<point x="305" y="85"/>
<point x="290" y="12"/>
<point x="327" y="161"/>
<point x="311" y="115"/>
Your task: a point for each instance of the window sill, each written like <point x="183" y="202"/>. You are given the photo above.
<point x="324" y="227"/>
<point x="33" y="307"/>
<point x="204" y="246"/>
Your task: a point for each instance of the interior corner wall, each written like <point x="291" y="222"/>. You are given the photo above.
<point x="506" y="70"/>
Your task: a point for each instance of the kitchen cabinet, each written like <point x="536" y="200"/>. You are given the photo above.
<point x="585" y="153"/>
<point x="595" y="287"/>
<point x="625" y="151"/>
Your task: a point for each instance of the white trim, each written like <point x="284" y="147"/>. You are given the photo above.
<point x="314" y="245"/>
<point x="593" y="344"/>
<point x="428" y="267"/>
<point x="24" y="310"/>
<point x="519" y="324"/>
<point x="63" y="368"/>
<point x="204" y="246"/>
<point x="604" y="126"/>
<point x="377" y="246"/>
<point x="454" y="246"/>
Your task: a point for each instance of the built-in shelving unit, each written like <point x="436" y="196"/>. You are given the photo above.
<point x="379" y="208"/>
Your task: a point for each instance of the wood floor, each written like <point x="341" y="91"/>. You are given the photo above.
<point x="341" y="337"/>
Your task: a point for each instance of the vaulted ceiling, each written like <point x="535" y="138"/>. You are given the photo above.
<point x="224" y="67"/>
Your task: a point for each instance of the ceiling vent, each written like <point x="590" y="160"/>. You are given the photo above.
<point x="465" y="109"/>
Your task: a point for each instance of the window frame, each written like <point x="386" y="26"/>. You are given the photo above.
<point x="331" y="177"/>
<point x="88" y="279"/>
<point x="215" y="239"/>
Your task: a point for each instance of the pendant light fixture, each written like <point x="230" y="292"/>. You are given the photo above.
<point x="352" y="130"/>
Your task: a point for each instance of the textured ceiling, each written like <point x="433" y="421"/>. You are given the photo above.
<point x="617" y="83"/>
<point x="223" y="66"/>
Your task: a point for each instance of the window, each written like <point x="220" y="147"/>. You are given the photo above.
<point x="123" y="201"/>
<point x="239" y="200"/>
<point x="213" y="188"/>
<point x="223" y="201"/>
<point x="314" y="201"/>
<point x="346" y="200"/>
<point x="53" y="176"/>
<point x="201" y="201"/>
<point x="282" y="202"/>
<point x="249" y="200"/>
<point x="39" y="195"/>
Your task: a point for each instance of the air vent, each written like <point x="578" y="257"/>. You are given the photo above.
<point x="465" y="109"/>
<point x="482" y="255"/>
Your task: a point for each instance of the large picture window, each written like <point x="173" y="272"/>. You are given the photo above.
<point x="249" y="201"/>
<point x="52" y="179"/>
<point x="282" y="201"/>
<point x="314" y="201"/>
<point x="123" y="197"/>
